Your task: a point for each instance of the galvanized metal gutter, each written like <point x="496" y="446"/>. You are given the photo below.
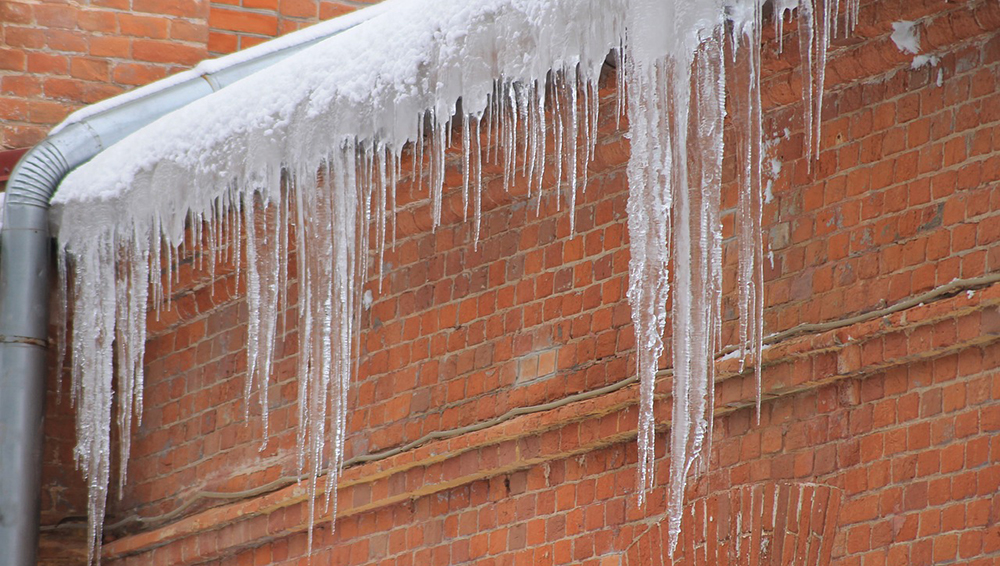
<point x="26" y="249"/>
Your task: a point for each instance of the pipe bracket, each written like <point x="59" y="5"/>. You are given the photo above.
<point x="23" y="340"/>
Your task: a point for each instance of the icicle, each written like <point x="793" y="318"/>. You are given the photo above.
<point x="649" y="204"/>
<point x="542" y="143"/>
<point x="574" y="133"/>
<point x="526" y="105"/>
<point x="420" y="142"/>
<point x="815" y="21"/>
<point x="620" y="74"/>
<point x="676" y="108"/>
<point x="334" y="180"/>
<point x="749" y="200"/>
<point x="327" y="232"/>
<point x="533" y="140"/>
<point x="282" y="239"/>
<point x="61" y="320"/>
<point x="590" y="112"/>
<point x="560" y="128"/>
<point x="213" y="250"/>
<point x="131" y="285"/>
<point x="93" y="332"/>
<point x="381" y="154"/>
<point x="478" y="192"/>
<point x="254" y="307"/>
<point x="491" y="113"/>
<point x="466" y="158"/>
<point x="496" y="118"/>
<point x="394" y="183"/>
<point x="438" y="171"/>
<point x="262" y="226"/>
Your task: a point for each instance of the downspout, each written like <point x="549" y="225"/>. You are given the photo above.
<point x="26" y="248"/>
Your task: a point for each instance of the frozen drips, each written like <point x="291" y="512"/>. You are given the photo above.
<point x="311" y="153"/>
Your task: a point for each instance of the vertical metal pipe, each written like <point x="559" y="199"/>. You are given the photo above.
<point x="24" y="284"/>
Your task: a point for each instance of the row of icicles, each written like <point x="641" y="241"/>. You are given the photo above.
<point x="323" y="210"/>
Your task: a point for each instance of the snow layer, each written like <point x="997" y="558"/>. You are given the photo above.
<point x="315" y="143"/>
<point x="210" y="66"/>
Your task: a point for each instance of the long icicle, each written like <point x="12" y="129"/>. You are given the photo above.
<point x="674" y="101"/>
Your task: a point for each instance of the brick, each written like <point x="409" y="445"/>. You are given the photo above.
<point x="117" y="47"/>
<point x="271" y="5"/>
<point x="98" y="21"/>
<point x="189" y="32"/>
<point x="42" y="112"/>
<point x="178" y="8"/>
<point x="63" y="16"/>
<point x="14" y="109"/>
<point x="137" y="74"/>
<point x="21" y="86"/>
<point x="44" y="63"/>
<point x="298" y="8"/>
<point x="222" y="42"/>
<point x="64" y="89"/>
<point x="65" y="40"/>
<point x="144" y="26"/>
<point x="329" y="10"/>
<point x="12" y="60"/>
<point x="166" y="52"/>
<point x="249" y="22"/>
<point x="89" y="69"/>
<point x="15" y="13"/>
<point x="24" y="37"/>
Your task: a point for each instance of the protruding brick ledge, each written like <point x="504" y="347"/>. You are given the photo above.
<point x="925" y="331"/>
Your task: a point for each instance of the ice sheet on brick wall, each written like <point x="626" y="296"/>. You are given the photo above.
<point x="316" y="142"/>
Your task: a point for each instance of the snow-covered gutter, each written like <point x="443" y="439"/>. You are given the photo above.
<point x="25" y="257"/>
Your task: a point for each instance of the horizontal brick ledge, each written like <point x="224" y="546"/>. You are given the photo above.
<point x="793" y="366"/>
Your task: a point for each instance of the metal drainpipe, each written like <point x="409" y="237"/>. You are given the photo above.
<point x="25" y="264"/>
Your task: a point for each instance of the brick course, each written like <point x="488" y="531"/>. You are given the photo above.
<point x="238" y="24"/>
<point x="893" y="415"/>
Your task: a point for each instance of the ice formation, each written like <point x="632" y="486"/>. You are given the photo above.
<point x="307" y="155"/>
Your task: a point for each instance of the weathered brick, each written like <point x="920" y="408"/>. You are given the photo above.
<point x="239" y="21"/>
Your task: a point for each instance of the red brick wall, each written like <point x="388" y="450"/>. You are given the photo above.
<point x="893" y="415"/>
<point x="238" y="24"/>
<point x="912" y="487"/>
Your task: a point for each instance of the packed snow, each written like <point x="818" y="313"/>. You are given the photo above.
<point x="921" y="61"/>
<point x="906" y="36"/>
<point x="316" y="142"/>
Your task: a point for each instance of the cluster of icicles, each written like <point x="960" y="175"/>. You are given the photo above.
<point x="674" y="61"/>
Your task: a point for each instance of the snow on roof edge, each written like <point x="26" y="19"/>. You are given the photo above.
<point x="353" y="84"/>
<point x="214" y="65"/>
